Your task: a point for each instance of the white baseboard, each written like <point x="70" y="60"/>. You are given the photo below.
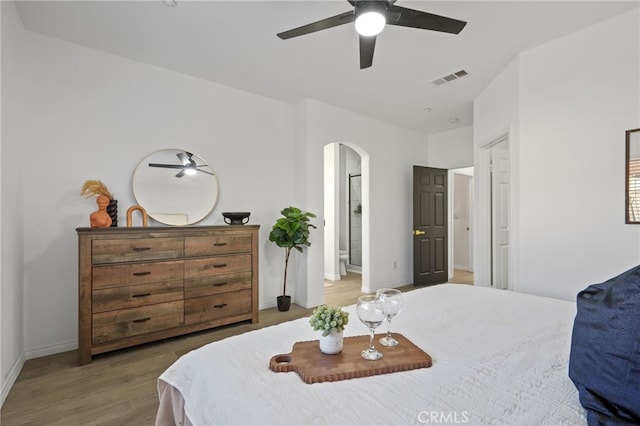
<point x="12" y="377"/>
<point x="267" y="305"/>
<point x="31" y="354"/>
<point x="273" y="304"/>
<point x="308" y="303"/>
<point x="332" y="277"/>
<point x="69" y="345"/>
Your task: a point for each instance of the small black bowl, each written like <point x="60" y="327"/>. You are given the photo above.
<point x="236" y="218"/>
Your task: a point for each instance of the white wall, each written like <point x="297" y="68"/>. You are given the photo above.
<point x="95" y="116"/>
<point x="574" y="98"/>
<point x="452" y="149"/>
<point x="332" y="196"/>
<point x="11" y="190"/>
<point x="496" y="109"/>
<point x="340" y="161"/>
<point x="495" y="112"/>
<point x="392" y="152"/>
<point x="578" y="96"/>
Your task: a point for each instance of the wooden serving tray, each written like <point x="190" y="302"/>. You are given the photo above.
<point x="314" y="366"/>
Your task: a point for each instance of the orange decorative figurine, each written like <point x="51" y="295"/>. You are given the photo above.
<point x="100" y="218"/>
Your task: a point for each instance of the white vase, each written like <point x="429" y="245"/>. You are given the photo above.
<point x="332" y="343"/>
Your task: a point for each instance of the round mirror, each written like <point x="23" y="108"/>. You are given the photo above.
<point x="175" y="187"/>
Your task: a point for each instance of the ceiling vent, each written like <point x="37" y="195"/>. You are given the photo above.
<point x="447" y="78"/>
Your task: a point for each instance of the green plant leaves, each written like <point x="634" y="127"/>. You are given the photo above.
<point x="292" y="229"/>
<point x="328" y="319"/>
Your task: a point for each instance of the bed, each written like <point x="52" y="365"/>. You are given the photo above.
<point x="499" y="357"/>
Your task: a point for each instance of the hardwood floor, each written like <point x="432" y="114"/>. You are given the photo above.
<point x="119" y="388"/>
<point x="461" y="277"/>
<point x="343" y="292"/>
<point x="115" y="389"/>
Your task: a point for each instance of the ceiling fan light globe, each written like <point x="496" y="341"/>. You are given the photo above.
<point x="190" y="171"/>
<point x="370" y="23"/>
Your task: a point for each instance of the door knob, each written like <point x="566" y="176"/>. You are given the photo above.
<point x="418" y="232"/>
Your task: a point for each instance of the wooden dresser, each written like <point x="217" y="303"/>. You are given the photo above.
<point x="138" y="285"/>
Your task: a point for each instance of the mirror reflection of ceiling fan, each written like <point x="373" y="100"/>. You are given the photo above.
<point x="188" y="166"/>
<point x="370" y="17"/>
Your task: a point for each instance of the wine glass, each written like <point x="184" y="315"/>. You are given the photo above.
<point x="371" y="314"/>
<point x="391" y="299"/>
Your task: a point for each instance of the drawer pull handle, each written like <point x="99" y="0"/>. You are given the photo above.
<point x="141" y="248"/>
<point x="141" y="295"/>
<point x="222" y="305"/>
<point x="140" y="274"/>
<point x="219" y="284"/>
<point x="219" y="244"/>
<point x="219" y="265"/>
<point x="142" y="319"/>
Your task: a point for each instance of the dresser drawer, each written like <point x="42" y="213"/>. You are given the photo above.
<point x="212" y="245"/>
<point x="135" y="249"/>
<point x="210" y="308"/>
<point x="111" y="299"/>
<point x="134" y="283"/>
<point x="217" y="265"/>
<point x="136" y="273"/>
<point x="115" y="325"/>
<point x="215" y="284"/>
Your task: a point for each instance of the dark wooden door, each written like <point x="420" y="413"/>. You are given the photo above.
<point x="430" y="248"/>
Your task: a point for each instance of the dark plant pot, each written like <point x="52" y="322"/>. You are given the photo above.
<point x="112" y="209"/>
<point x="284" y="303"/>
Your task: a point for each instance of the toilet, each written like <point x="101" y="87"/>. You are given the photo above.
<point x="344" y="259"/>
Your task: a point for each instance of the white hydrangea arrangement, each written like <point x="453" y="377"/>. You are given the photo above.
<point x="328" y="319"/>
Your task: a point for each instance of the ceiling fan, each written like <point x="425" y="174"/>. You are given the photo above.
<point x="370" y="17"/>
<point x="188" y="166"/>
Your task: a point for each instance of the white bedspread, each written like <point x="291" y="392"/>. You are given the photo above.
<point x="498" y="358"/>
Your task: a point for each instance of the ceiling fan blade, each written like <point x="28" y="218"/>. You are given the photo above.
<point x="367" y="46"/>
<point x="166" y="166"/>
<point x="423" y="20"/>
<point x="204" y="171"/>
<point x="183" y="158"/>
<point x="180" y="173"/>
<point x="334" y="21"/>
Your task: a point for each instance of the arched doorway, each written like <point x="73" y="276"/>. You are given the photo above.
<point x="346" y="201"/>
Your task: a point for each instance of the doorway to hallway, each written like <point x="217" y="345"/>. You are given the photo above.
<point x="461" y="277"/>
<point x="461" y="220"/>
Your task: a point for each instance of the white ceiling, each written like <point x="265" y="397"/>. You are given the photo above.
<point x="235" y="43"/>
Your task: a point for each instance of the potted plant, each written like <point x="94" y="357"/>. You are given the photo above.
<point x="331" y="322"/>
<point x="290" y="231"/>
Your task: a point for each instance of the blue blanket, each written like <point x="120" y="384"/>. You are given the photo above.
<point x="605" y="350"/>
